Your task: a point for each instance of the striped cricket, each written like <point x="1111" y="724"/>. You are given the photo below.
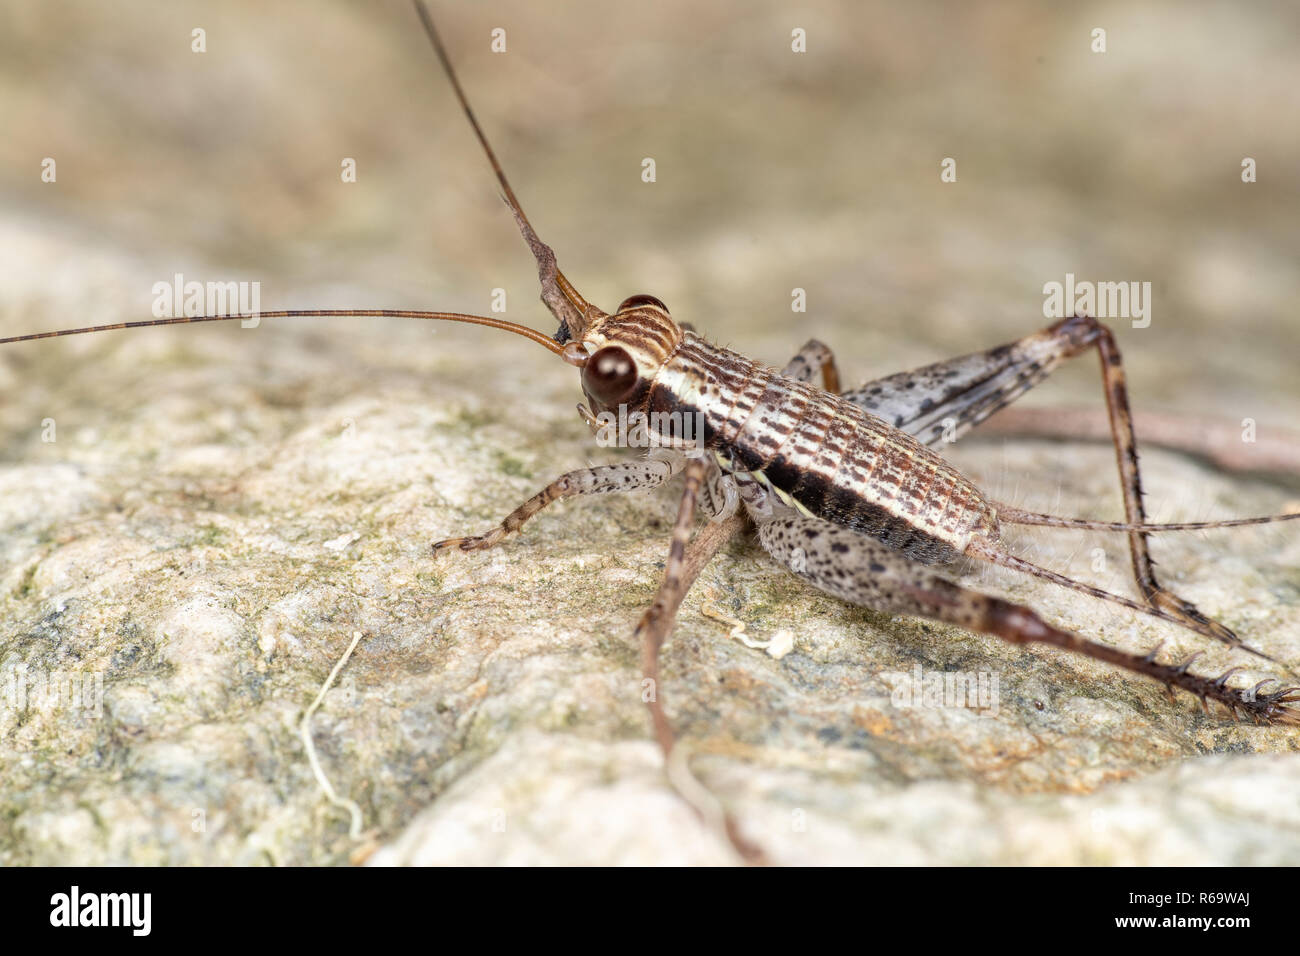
<point x="843" y="487"/>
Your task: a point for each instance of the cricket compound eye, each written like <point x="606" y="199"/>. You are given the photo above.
<point x="610" y="375"/>
<point x="634" y="301"/>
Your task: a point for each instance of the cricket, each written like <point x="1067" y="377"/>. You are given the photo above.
<point x="846" y="488"/>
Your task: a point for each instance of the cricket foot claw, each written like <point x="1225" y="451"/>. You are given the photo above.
<point x="1192" y="617"/>
<point x="479" y="542"/>
<point x="1272" y="708"/>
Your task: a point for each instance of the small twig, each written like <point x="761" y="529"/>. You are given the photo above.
<point x="354" y="811"/>
<point x="709" y="608"/>
<point x="780" y="644"/>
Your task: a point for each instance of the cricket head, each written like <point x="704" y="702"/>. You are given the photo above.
<point x="620" y="354"/>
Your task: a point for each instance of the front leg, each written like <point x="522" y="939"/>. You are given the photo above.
<point x="680" y="570"/>
<point x="623" y="476"/>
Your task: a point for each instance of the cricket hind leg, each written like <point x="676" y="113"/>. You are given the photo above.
<point x="993" y="553"/>
<point x="945" y="400"/>
<point x="622" y="476"/>
<point x="856" y="569"/>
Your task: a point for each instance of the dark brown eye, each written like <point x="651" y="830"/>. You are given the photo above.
<point x="631" y="302"/>
<point x="610" y="375"/>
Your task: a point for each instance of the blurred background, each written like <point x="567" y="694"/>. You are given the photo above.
<point x="775" y="170"/>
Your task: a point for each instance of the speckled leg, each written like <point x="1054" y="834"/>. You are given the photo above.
<point x="947" y="399"/>
<point x="680" y="571"/>
<point x="858" y="570"/>
<point x="943" y="401"/>
<point x="814" y="357"/>
<point x="658" y="619"/>
<point x="624" y="476"/>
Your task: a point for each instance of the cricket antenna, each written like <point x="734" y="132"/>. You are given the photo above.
<point x="574" y="312"/>
<point x="1016" y="516"/>
<point x="525" y="331"/>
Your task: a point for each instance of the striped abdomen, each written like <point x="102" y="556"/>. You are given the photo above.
<point x="823" y="454"/>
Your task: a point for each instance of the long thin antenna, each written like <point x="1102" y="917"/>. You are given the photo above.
<point x="525" y="331"/>
<point x="557" y="292"/>
<point x="994" y="554"/>
<point x="1016" y="516"/>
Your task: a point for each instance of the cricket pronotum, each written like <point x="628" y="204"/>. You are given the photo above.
<point x="845" y="487"/>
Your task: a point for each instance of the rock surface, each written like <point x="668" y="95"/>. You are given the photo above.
<point x="220" y="509"/>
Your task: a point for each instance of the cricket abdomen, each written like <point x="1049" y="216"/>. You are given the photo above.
<point x="824" y="455"/>
<point x="875" y="479"/>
